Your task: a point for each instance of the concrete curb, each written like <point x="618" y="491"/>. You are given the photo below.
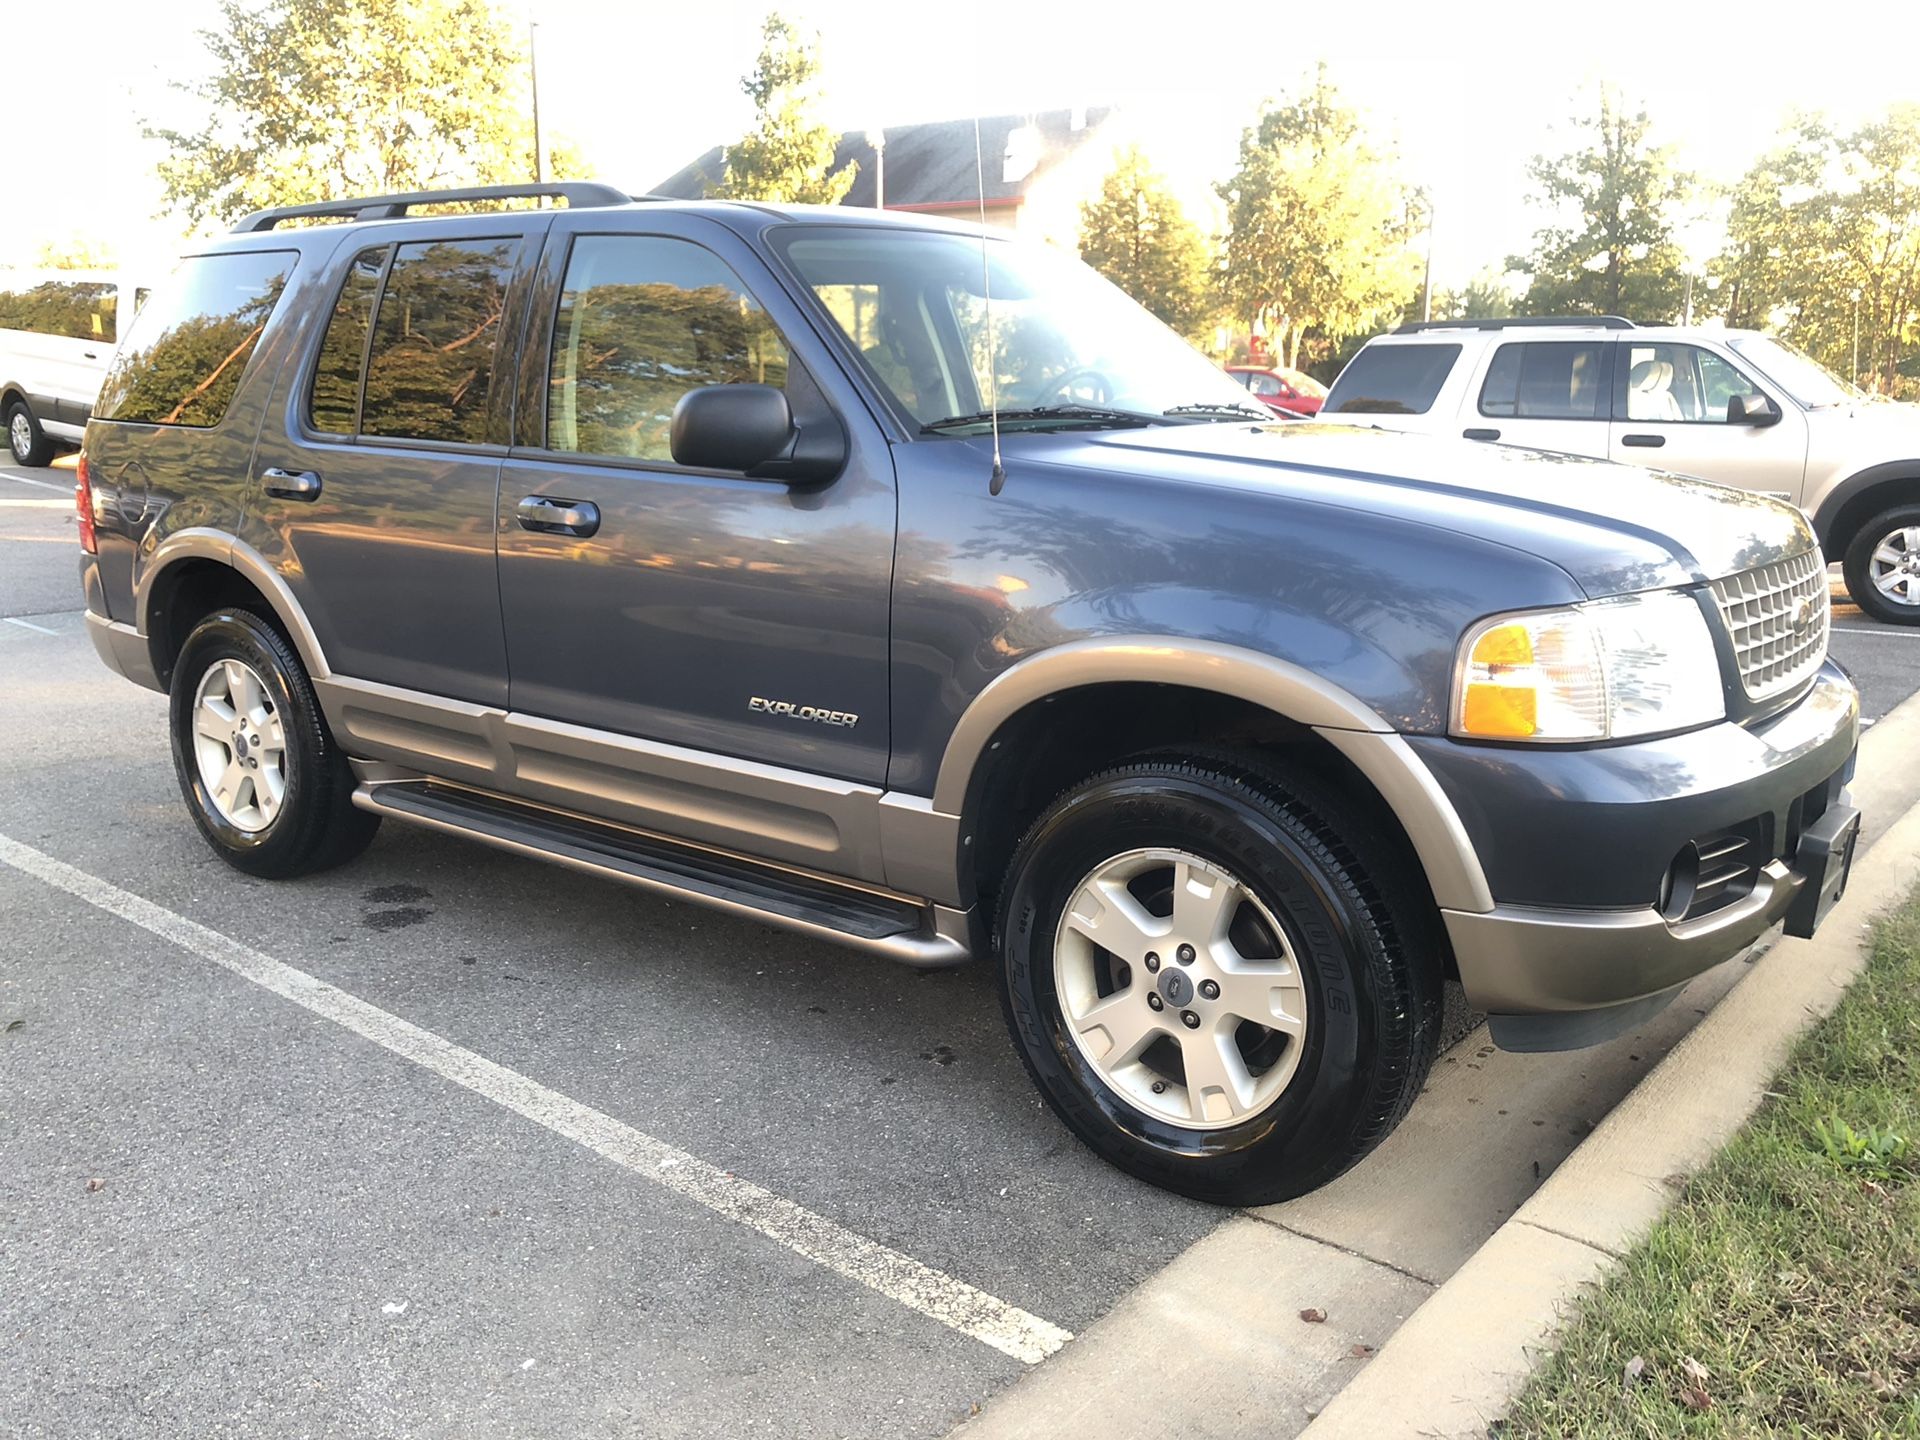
<point x="1463" y="1355"/>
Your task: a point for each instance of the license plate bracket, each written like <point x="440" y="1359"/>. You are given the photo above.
<point x="1824" y="861"/>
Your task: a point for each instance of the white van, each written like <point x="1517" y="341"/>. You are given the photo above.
<point x="57" y="333"/>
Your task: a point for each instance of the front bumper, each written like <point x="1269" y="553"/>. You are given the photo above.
<point x="1576" y="845"/>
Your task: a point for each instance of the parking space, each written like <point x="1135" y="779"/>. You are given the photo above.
<point x="302" y="1225"/>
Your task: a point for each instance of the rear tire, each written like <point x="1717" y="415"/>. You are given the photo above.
<point x="1882" y="566"/>
<point x="269" y="789"/>
<point x="30" y="445"/>
<point x="1327" y="933"/>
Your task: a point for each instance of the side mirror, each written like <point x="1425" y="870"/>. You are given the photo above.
<point x="1754" y="409"/>
<point x="751" y="428"/>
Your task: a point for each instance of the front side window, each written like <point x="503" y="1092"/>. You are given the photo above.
<point x="185" y="354"/>
<point x="430" y="370"/>
<point x="1680" y="383"/>
<point x="1391" y="380"/>
<point x="333" y="401"/>
<point x="70" y="309"/>
<point x="1264" y="385"/>
<point x="1545" y="380"/>
<point x="642" y="320"/>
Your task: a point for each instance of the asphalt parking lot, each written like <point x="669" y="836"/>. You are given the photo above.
<point x="451" y="1143"/>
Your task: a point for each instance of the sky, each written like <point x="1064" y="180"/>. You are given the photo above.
<point x="1465" y="93"/>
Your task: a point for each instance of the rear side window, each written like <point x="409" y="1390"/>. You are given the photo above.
<point x="1545" y="380"/>
<point x="1391" y="380"/>
<point x="186" y="353"/>
<point x="70" y="309"/>
<point x="333" y="402"/>
<point x="642" y="320"/>
<point x="430" y="369"/>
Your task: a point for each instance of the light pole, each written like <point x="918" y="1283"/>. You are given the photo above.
<point x="1856" y="339"/>
<point x="1426" y="284"/>
<point x="533" y="72"/>
<point x="877" y="137"/>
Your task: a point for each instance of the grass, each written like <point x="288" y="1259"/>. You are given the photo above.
<point x="1780" y="1296"/>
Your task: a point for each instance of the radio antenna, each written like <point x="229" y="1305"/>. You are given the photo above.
<point x="999" y="476"/>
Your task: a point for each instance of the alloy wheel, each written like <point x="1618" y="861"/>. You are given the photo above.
<point x="1895" y="566"/>
<point x="240" y="746"/>
<point x="1180" y="989"/>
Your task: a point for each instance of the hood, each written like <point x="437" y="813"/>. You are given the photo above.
<point x="1613" y="527"/>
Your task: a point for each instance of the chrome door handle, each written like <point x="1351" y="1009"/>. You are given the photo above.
<point x="291" y="484"/>
<point x="1648" y="442"/>
<point x="558" y="517"/>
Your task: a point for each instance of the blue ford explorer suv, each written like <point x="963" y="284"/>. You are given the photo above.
<point x="899" y="584"/>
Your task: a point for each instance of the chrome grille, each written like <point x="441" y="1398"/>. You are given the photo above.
<point x="1778" y="616"/>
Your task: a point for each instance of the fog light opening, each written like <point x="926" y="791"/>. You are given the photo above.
<point x="1682" y="879"/>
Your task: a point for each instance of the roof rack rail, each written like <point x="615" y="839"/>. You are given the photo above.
<point x="578" y="194"/>
<point x="1602" y="322"/>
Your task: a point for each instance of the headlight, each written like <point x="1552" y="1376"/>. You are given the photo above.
<point x="1640" y="665"/>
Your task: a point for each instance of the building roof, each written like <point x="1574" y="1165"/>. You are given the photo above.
<point x="933" y="164"/>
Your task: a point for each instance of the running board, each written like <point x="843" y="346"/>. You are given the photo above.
<point x="926" y="936"/>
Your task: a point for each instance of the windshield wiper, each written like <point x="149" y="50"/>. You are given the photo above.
<point x="1072" y="413"/>
<point x="1209" y="407"/>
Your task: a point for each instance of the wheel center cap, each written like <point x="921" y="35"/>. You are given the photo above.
<point x="240" y="746"/>
<point x="1176" y="988"/>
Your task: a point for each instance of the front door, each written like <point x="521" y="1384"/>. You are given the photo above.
<point x="741" y="622"/>
<point x="1670" y="411"/>
<point x="377" y="495"/>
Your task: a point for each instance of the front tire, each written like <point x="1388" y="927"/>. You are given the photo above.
<point x="269" y="789"/>
<point x="1882" y="566"/>
<point x="29" y="444"/>
<point x="1221" y="983"/>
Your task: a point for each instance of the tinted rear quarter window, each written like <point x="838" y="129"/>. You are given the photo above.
<point x="431" y="367"/>
<point x="184" y="357"/>
<point x="1391" y="380"/>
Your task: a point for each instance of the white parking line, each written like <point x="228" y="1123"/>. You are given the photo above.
<point x="1889" y="633"/>
<point x="933" y="1293"/>
<point x="43" y="484"/>
<point x="28" y="625"/>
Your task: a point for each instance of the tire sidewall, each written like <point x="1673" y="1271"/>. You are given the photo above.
<point x="1859" y="557"/>
<point x="240" y="635"/>
<point x="1316" y="1115"/>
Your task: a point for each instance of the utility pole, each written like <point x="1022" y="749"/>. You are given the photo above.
<point x="1426" y="285"/>
<point x="878" y="138"/>
<point x="533" y="71"/>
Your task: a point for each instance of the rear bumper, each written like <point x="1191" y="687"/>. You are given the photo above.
<point x="123" y="649"/>
<point x="1553" y="975"/>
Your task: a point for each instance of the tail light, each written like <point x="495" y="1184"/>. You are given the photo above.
<point x="83" y="503"/>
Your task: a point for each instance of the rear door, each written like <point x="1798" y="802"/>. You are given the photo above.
<point x="1544" y="394"/>
<point x="1670" y="411"/>
<point x="699" y="608"/>
<point x="379" y="489"/>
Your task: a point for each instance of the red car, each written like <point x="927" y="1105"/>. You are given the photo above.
<point x="1286" y="392"/>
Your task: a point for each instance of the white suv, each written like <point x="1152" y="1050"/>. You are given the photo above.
<point x="1733" y="406"/>
<point x="58" y="329"/>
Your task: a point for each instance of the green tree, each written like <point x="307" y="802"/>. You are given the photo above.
<point x="788" y="155"/>
<point x="1609" y="247"/>
<point x="1826" y="227"/>
<point x="324" y="99"/>
<point x="1318" y="224"/>
<point x="1136" y="235"/>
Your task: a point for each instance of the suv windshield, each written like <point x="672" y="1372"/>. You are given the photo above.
<point x="1801" y="376"/>
<point x="1063" y="341"/>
